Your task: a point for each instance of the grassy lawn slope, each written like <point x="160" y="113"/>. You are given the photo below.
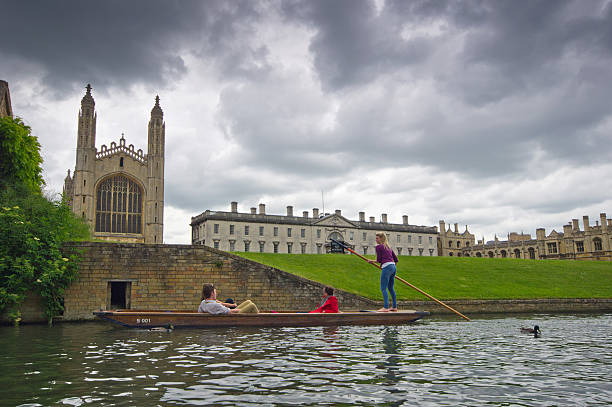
<point x="449" y="278"/>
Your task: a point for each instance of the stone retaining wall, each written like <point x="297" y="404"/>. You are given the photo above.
<point x="170" y="277"/>
<point x="552" y="305"/>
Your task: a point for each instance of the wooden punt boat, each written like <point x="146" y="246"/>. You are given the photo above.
<point x="190" y="319"/>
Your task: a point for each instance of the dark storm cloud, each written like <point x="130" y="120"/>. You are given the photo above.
<point x="353" y="45"/>
<point x="531" y="79"/>
<point x="125" y="43"/>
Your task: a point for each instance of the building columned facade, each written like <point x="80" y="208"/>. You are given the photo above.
<point x="592" y="243"/>
<point x="5" y="100"/>
<point x="119" y="190"/>
<point x="260" y="232"/>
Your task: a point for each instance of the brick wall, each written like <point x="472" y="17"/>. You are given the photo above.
<point x="171" y="277"/>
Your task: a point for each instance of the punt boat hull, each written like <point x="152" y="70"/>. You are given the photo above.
<point x="180" y="319"/>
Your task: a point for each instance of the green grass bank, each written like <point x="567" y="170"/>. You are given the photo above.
<point x="452" y="278"/>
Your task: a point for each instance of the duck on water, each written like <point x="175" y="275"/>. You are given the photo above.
<point x="535" y="331"/>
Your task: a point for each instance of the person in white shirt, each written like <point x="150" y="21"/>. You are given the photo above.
<point x="211" y="305"/>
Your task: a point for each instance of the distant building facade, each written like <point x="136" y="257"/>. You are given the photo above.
<point x="594" y="242"/>
<point x="119" y="190"/>
<point x="5" y="100"/>
<point x="260" y="232"/>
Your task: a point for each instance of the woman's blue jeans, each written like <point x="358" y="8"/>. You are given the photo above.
<point x="387" y="281"/>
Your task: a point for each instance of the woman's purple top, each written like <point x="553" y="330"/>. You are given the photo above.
<point x="385" y="254"/>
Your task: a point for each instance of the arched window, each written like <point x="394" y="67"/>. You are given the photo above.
<point x="119" y="206"/>
<point x="478" y="254"/>
<point x="531" y="251"/>
<point x="517" y="253"/>
<point x="458" y="244"/>
<point x="336" y="236"/>
<point x="450" y="244"/>
<point x="491" y="255"/>
<point x="597" y="244"/>
<point x="503" y="253"/>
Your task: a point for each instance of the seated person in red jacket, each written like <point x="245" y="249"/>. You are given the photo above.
<point x="329" y="303"/>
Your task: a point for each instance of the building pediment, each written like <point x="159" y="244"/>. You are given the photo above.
<point x="554" y="233"/>
<point x="335" y="221"/>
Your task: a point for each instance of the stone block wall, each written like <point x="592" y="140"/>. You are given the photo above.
<point x="170" y="277"/>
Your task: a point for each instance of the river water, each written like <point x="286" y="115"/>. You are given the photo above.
<point x="433" y="362"/>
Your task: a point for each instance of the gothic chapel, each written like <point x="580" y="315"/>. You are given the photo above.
<point x="119" y="190"/>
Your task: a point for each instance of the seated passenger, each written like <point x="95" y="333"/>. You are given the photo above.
<point x="211" y="305"/>
<point x="329" y="303"/>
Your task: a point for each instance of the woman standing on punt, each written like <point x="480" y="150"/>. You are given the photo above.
<point x="387" y="260"/>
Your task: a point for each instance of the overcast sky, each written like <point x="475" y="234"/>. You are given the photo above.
<point x="494" y="114"/>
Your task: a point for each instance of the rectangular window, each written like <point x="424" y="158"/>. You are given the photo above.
<point x="318" y="249"/>
<point x="261" y="231"/>
<point x="246" y="230"/>
<point x="409" y="239"/>
<point x="231" y="229"/>
<point x="288" y="232"/>
<point x="552" y="248"/>
<point x="216" y="228"/>
<point x="420" y="239"/>
<point x="399" y="238"/>
<point x="275" y="246"/>
<point x="580" y="247"/>
<point x="216" y="244"/>
<point x="232" y="246"/>
<point x="365" y="236"/>
<point x="365" y="250"/>
<point x="303" y="249"/>
<point x="289" y="247"/>
<point x="275" y="232"/>
<point x="303" y="233"/>
<point x="247" y="245"/>
<point x="261" y="247"/>
<point x="318" y="233"/>
<point x="352" y="235"/>
<point x="431" y="241"/>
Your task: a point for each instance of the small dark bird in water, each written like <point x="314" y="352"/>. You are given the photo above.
<point x="535" y="331"/>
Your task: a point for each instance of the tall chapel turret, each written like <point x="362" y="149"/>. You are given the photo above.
<point x="155" y="177"/>
<point x="119" y="190"/>
<point x="84" y="172"/>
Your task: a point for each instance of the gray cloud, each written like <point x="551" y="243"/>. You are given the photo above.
<point x="468" y="110"/>
<point x="123" y="44"/>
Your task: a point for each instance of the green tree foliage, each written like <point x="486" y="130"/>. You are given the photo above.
<point x="20" y="160"/>
<point x="33" y="228"/>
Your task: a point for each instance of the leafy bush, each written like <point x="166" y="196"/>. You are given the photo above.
<point x="32" y="231"/>
<point x="32" y="228"/>
<point x="20" y="160"/>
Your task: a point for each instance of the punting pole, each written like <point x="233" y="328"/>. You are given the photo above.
<point x="402" y="280"/>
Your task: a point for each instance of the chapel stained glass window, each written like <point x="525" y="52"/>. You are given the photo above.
<point x="119" y="206"/>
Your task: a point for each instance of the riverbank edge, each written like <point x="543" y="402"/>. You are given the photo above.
<point x="515" y="306"/>
<point x="553" y="305"/>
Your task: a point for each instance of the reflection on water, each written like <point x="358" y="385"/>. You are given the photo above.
<point x="433" y="362"/>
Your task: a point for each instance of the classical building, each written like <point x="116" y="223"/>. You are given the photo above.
<point x="119" y="190"/>
<point x="5" y="100"/>
<point x="261" y="232"/>
<point x="592" y="243"/>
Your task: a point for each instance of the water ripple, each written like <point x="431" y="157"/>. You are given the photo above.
<point x="431" y="363"/>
